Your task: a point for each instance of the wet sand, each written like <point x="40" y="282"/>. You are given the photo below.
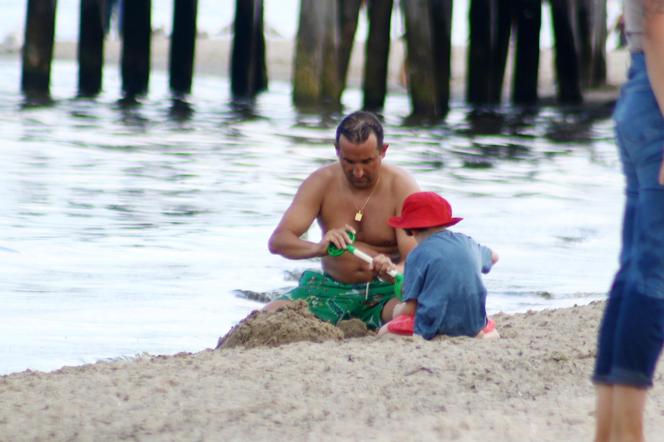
<point x="532" y="384"/>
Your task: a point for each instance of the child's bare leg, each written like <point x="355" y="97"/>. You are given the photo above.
<point x="388" y="310"/>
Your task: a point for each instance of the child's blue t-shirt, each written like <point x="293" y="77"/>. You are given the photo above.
<point x="443" y="273"/>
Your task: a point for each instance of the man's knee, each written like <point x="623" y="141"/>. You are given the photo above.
<point x="386" y="314"/>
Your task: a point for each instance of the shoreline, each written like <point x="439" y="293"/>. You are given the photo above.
<point x="532" y="384"/>
<point x="213" y="58"/>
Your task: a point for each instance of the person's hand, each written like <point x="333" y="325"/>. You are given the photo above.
<point x="382" y="266"/>
<point x="661" y="173"/>
<point x="339" y="237"/>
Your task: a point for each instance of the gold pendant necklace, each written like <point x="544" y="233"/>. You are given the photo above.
<point x="359" y="214"/>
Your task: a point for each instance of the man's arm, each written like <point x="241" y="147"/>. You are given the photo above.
<point x="286" y="239"/>
<point x="297" y="219"/>
<point x="653" y="46"/>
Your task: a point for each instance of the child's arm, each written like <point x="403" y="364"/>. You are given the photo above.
<point x="405" y="308"/>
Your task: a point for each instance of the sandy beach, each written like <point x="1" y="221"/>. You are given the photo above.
<point x="532" y="384"/>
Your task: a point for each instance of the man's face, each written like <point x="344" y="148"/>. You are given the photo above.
<point x="360" y="162"/>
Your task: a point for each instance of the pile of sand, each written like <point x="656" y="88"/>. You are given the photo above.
<point x="291" y="323"/>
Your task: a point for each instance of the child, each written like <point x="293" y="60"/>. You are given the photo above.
<point x="443" y="291"/>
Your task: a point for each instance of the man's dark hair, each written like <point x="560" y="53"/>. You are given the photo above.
<point x="357" y="127"/>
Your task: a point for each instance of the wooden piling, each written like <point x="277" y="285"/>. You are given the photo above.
<point x="441" y="26"/>
<point x="480" y="53"/>
<point x="136" y="35"/>
<point x="422" y="85"/>
<point x="248" y="67"/>
<point x="566" y="54"/>
<point x="491" y="23"/>
<point x="182" y="47"/>
<point x="582" y="25"/>
<point x="38" y="48"/>
<point x="526" y="65"/>
<point x="316" y="74"/>
<point x="599" y="35"/>
<point x="331" y="84"/>
<point x="308" y="55"/>
<point x="377" y="49"/>
<point x="348" y="13"/>
<point x="91" y="47"/>
<point x="504" y="20"/>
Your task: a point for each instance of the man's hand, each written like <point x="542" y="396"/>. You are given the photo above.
<point x="661" y="173"/>
<point x="339" y="237"/>
<point x="382" y="266"/>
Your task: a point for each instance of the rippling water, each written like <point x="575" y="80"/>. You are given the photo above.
<point x="126" y="230"/>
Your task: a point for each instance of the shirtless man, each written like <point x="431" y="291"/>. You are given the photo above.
<point x="357" y="194"/>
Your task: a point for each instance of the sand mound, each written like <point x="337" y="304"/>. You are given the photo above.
<point x="292" y="323"/>
<point x="354" y="328"/>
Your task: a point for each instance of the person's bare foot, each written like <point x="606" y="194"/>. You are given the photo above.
<point x="489" y="331"/>
<point x="493" y="334"/>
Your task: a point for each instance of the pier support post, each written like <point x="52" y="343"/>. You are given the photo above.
<point x="566" y="53"/>
<point x="136" y="35"/>
<point x="441" y="17"/>
<point x="91" y="47"/>
<point x="489" y="29"/>
<point x="248" y="68"/>
<point x="526" y="62"/>
<point x="582" y="23"/>
<point x="421" y="66"/>
<point x="316" y="79"/>
<point x="599" y="35"/>
<point x="182" y="47"/>
<point x="38" y="48"/>
<point x="377" y="49"/>
<point x="348" y="14"/>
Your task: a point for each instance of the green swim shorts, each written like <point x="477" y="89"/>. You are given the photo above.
<point x="333" y="301"/>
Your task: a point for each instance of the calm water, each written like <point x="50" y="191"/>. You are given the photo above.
<point x="127" y="230"/>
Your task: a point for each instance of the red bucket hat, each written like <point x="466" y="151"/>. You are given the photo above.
<point x="422" y="210"/>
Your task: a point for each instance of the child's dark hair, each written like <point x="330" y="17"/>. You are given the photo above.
<point x="409" y="232"/>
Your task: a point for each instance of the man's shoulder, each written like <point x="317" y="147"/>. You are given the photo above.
<point x="325" y="172"/>
<point x="401" y="179"/>
<point x="396" y="171"/>
<point x="322" y="175"/>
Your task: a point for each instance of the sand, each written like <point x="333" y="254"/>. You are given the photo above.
<point x="532" y="384"/>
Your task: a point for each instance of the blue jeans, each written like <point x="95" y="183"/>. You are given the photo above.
<point x="632" y="330"/>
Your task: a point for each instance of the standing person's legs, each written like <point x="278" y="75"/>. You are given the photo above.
<point x="603" y="412"/>
<point x="627" y="413"/>
<point x="612" y="312"/>
<point x="632" y="332"/>
<point x="640" y="334"/>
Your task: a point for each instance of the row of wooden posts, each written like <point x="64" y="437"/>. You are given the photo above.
<point x="326" y="34"/>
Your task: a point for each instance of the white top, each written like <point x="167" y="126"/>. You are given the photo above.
<point x="634" y="14"/>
